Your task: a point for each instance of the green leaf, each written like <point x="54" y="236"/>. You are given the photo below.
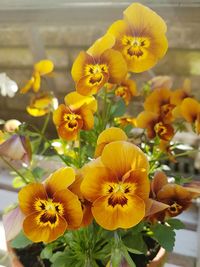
<point x="116" y="257"/>
<point x="21" y="241"/>
<point x="47" y="252"/>
<point x="128" y="257"/>
<point x="118" y="109"/>
<point x="38" y="172"/>
<point x="164" y="235"/>
<point x="176" y="224"/>
<point x="135" y="243"/>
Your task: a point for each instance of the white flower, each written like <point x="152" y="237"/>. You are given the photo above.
<point x="7" y="86"/>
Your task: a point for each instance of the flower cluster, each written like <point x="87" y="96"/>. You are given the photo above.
<point x="111" y="187"/>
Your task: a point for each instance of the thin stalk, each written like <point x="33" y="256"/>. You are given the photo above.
<point x="46" y="140"/>
<point x="15" y="170"/>
<point x="43" y="131"/>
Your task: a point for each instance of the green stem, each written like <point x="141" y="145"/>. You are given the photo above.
<point x="14" y="169"/>
<point x="43" y="131"/>
<point x="46" y="140"/>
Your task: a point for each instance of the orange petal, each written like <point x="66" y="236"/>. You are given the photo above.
<point x="44" y="67"/>
<point x="37" y="233"/>
<point x="58" y="114"/>
<point x="136" y="13"/>
<point x="107" y="136"/>
<point x="28" y="195"/>
<point x="86" y="87"/>
<point x="87" y="117"/>
<point x="190" y="109"/>
<point x="147" y="120"/>
<point x="140" y="180"/>
<point x="102" y="44"/>
<point x="159" y="180"/>
<point x="116" y="65"/>
<point x="153" y="206"/>
<point x="126" y="216"/>
<point x="72" y="207"/>
<point x="121" y="157"/>
<point x="76" y="101"/>
<point x="67" y="135"/>
<point x="170" y="191"/>
<point x="95" y="176"/>
<point x="78" y="66"/>
<point x="59" y="180"/>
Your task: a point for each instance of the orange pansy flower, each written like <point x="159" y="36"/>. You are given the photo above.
<point x="154" y="125"/>
<point x="126" y="90"/>
<point x="41" y="104"/>
<point x="99" y="65"/>
<point x="140" y="37"/>
<point x="117" y="185"/>
<point x="107" y="136"/>
<point x="50" y="208"/>
<point x="176" y="196"/>
<point x="41" y="68"/>
<point x="190" y="110"/>
<point x="76" y="114"/>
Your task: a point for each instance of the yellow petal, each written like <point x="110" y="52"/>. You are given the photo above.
<point x="121" y="157"/>
<point x="75" y="101"/>
<point x="189" y="109"/>
<point x="58" y="114"/>
<point x="72" y="207"/>
<point x="102" y="44"/>
<point x="27" y="87"/>
<point x="79" y="64"/>
<point x="59" y="180"/>
<point x="37" y="233"/>
<point x="28" y="195"/>
<point x="37" y="82"/>
<point x="116" y="65"/>
<point x="125" y="216"/>
<point x="44" y="67"/>
<point x="107" y="136"/>
<point x="87" y="117"/>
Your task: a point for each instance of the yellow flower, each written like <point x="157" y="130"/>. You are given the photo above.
<point x="41" y="68"/>
<point x="42" y="104"/>
<point x="76" y="114"/>
<point x="117" y="185"/>
<point x="99" y="65"/>
<point x="107" y="136"/>
<point x="126" y="90"/>
<point x="140" y="37"/>
<point x="50" y="208"/>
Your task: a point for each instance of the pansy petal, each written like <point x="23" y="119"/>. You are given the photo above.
<point x="27" y="87"/>
<point x="28" y="195"/>
<point x="75" y="101"/>
<point x="153" y="206"/>
<point x="87" y="85"/>
<point x="105" y="42"/>
<point x="88" y="118"/>
<point x="189" y="109"/>
<point x="44" y="67"/>
<point x="158" y="181"/>
<point x="78" y="67"/>
<point x="107" y="136"/>
<point x="119" y="216"/>
<point x="72" y="207"/>
<point x="116" y="65"/>
<point x="121" y="157"/>
<point x="37" y="82"/>
<point x="170" y="191"/>
<point x="58" y="114"/>
<point x="142" y="17"/>
<point x="95" y="176"/>
<point x="59" y="180"/>
<point x="39" y="233"/>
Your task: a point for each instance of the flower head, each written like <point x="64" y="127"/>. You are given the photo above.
<point x="41" y="104"/>
<point x="117" y="185"/>
<point x="16" y="147"/>
<point x="99" y="65"/>
<point x="41" y="68"/>
<point x="126" y="90"/>
<point x="50" y="208"/>
<point x="76" y="114"/>
<point x="140" y="37"/>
